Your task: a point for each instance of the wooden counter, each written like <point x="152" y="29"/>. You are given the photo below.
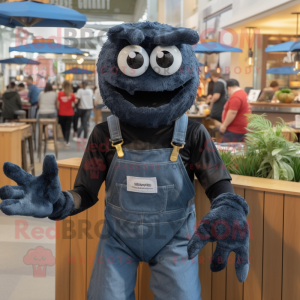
<point x="10" y="141"/>
<point x="274" y="244"/>
<point x="256" y="104"/>
<point x="286" y="111"/>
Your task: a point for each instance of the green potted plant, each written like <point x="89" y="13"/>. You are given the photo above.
<point x="267" y="154"/>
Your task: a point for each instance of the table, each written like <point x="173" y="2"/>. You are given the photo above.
<point x="197" y="117"/>
<point x="286" y="111"/>
<point x="11" y="135"/>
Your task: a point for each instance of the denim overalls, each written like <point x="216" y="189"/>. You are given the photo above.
<point x="150" y="216"/>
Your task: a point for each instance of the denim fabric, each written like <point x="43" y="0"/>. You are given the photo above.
<point x="149" y="227"/>
<point x="33" y="94"/>
<point x="230" y="136"/>
<point x="84" y="115"/>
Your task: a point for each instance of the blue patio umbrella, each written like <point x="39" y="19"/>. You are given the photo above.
<point x="35" y="14"/>
<point x="19" y="61"/>
<point x="295" y="47"/>
<point x="282" y="71"/>
<point x="46" y="47"/>
<point x="284" y="47"/>
<point x="77" y="71"/>
<point x="215" y="47"/>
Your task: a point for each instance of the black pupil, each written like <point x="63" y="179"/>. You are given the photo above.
<point x="136" y="62"/>
<point x="166" y="61"/>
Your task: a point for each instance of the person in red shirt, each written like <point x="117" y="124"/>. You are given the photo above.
<point x="65" y="103"/>
<point x="234" y="121"/>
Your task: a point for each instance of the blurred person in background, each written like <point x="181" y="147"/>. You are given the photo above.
<point x="99" y="104"/>
<point x="11" y="102"/>
<point x="200" y="90"/>
<point x="234" y="121"/>
<point x="65" y="103"/>
<point x="268" y="93"/>
<point x="210" y="87"/>
<point x="274" y="86"/>
<point x="85" y="106"/>
<point x="22" y="90"/>
<point x="33" y="95"/>
<point x="47" y="102"/>
<point x="218" y="98"/>
<point x="75" y="118"/>
<point x="98" y="99"/>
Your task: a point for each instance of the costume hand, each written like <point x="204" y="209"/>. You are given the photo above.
<point x="225" y="224"/>
<point x="34" y="196"/>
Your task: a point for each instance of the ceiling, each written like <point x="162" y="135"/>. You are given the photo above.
<point x="276" y="21"/>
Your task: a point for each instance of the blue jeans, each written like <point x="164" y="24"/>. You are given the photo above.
<point x="233" y="137"/>
<point x="84" y="115"/>
<point x="33" y="109"/>
<point x="149" y="217"/>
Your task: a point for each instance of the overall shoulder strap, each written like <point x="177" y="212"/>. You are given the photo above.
<point x="115" y="134"/>
<point x="178" y="140"/>
<point x="114" y="129"/>
<point x="180" y="130"/>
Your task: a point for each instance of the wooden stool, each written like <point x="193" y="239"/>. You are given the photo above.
<point x="20" y="114"/>
<point x="42" y="128"/>
<point x="27" y="136"/>
<point x="33" y="125"/>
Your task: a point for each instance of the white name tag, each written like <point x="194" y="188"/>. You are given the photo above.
<point x="142" y="184"/>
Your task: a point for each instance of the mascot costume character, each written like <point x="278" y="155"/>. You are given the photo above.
<point x="148" y="78"/>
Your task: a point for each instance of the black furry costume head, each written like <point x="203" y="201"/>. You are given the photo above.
<point x="145" y="94"/>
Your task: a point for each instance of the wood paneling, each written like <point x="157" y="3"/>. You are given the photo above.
<point x="272" y="259"/>
<point x="144" y="274"/>
<point x="274" y="245"/>
<point x="63" y="246"/>
<point x="266" y="185"/>
<point x="291" y="249"/>
<point x="234" y="289"/>
<point x="219" y="280"/>
<point x="10" y="141"/>
<point x="78" y="278"/>
<point x="202" y="205"/>
<point x="253" y="284"/>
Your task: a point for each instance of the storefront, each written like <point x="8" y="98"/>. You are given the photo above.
<point x="88" y="65"/>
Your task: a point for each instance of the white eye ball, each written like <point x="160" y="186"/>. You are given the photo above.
<point x="133" y="60"/>
<point x="165" y="60"/>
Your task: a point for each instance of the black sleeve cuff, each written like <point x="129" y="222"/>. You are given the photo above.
<point x="220" y="187"/>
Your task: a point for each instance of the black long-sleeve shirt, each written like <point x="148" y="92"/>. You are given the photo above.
<point x="199" y="155"/>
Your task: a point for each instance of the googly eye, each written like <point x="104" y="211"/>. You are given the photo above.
<point x="165" y="60"/>
<point x="133" y="60"/>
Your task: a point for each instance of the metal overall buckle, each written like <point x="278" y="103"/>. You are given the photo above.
<point x="175" y="151"/>
<point x="119" y="148"/>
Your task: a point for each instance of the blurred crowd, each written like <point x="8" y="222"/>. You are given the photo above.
<point x="227" y="105"/>
<point x="71" y="104"/>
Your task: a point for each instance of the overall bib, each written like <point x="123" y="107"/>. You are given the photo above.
<point x="149" y="217"/>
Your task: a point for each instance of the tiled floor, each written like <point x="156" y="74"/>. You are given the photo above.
<point x="20" y="234"/>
